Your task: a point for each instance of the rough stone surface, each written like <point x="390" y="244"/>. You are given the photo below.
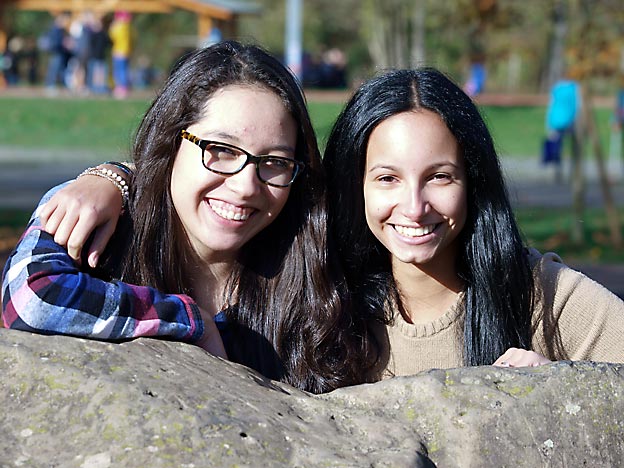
<point x="72" y="402"/>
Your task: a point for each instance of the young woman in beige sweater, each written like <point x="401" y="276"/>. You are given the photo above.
<point x="427" y="237"/>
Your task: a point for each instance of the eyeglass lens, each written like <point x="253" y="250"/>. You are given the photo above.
<point x="271" y="169"/>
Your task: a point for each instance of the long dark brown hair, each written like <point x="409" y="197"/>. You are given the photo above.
<point x="498" y="297"/>
<point x="289" y="314"/>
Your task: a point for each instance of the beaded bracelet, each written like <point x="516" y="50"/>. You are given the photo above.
<point x="129" y="172"/>
<point x="113" y="177"/>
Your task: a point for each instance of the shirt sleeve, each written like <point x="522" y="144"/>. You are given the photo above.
<point x="44" y="291"/>
<point x="579" y="319"/>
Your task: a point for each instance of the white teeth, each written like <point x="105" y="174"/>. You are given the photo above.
<point x="414" y="231"/>
<point x="227" y="214"/>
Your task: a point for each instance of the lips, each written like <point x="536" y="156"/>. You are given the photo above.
<point x="230" y="212"/>
<point x="409" y="231"/>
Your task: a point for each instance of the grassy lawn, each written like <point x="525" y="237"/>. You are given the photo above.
<point x="548" y="231"/>
<point x="323" y="115"/>
<point x="519" y="131"/>
<point x="107" y="125"/>
<point x="69" y="123"/>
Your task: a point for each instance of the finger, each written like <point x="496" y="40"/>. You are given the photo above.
<point x="504" y="358"/>
<point x="101" y="238"/>
<point x="81" y="231"/>
<point x="53" y="219"/>
<point x="529" y="359"/>
<point x="46" y="210"/>
<point x="77" y="239"/>
<point x="539" y="361"/>
<point x="66" y="228"/>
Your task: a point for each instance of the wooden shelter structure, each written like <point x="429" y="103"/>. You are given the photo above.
<point x="208" y="12"/>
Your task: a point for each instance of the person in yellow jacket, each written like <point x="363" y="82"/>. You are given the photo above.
<point x="121" y="38"/>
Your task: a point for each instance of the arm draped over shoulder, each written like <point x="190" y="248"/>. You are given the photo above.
<point x="44" y="291"/>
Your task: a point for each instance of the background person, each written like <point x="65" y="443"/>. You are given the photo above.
<point x="120" y="33"/>
<point x="97" y="62"/>
<point x="58" y="46"/>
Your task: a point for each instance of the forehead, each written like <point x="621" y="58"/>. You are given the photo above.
<point x="412" y="136"/>
<point x="235" y="98"/>
<point x="247" y="112"/>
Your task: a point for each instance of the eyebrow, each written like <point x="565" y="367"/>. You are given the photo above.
<point x="383" y="166"/>
<point x="237" y="141"/>
<point x="389" y="167"/>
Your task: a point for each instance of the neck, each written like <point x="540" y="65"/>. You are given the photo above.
<point x="208" y="282"/>
<point x="427" y="291"/>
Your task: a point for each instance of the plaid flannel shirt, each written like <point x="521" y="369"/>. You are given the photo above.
<point x="44" y="291"/>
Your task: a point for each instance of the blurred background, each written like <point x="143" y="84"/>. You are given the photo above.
<point x="522" y="46"/>
<point x="77" y="75"/>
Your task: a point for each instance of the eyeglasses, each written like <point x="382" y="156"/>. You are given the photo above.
<point x="227" y="159"/>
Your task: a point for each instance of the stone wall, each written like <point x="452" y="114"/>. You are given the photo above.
<point x="73" y="402"/>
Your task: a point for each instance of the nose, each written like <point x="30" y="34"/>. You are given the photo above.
<point x="415" y="202"/>
<point x="246" y="182"/>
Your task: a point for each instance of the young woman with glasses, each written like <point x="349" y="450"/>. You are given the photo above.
<point x="227" y="207"/>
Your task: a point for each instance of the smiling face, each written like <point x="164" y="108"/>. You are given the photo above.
<point x="220" y="213"/>
<point x="415" y="189"/>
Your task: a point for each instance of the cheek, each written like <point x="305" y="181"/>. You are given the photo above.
<point x="463" y="216"/>
<point x="279" y="197"/>
<point x="175" y="187"/>
<point x="176" y="184"/>
<point x="457" y="208"/>
<point x="369" y="208"/>
<point x="375" y="210"/>
<point x="376" y="204"/>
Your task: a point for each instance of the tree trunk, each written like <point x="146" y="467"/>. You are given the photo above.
<point x="610" y="208"/>
<point x="578" y="187"/>
<point x="396" y="31"/>
<point x="555" y="59"/>
<point x="419" y="13"/>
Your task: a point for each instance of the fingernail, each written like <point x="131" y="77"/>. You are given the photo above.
<point x="93" y="259"/>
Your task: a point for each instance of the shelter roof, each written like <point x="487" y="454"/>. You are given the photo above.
<point x="222" y="9"/>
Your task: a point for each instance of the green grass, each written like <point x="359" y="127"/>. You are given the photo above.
<point x="323" y="115"/>
<point x="548" y="230"/>
<point x="14" y="219"/>
<point x="518" y="131"/>
<point x="103" y="124"/>
<point x="108" y="125"/>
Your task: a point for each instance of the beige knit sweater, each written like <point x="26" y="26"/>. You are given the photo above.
<point x="575" y="318"/>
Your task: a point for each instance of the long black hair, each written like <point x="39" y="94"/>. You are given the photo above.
<point x="288" y="308"/>
<point x="492" y="261"/>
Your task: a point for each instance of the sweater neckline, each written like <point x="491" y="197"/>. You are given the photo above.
<point x="423" y="330"/>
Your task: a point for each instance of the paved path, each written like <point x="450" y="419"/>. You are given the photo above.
<point x="25" y="175"/>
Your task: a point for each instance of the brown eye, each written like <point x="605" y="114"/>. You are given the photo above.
<point x="222" y="152"/>
<point x="441" y="176"/>
<point x="278" y="164"/>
